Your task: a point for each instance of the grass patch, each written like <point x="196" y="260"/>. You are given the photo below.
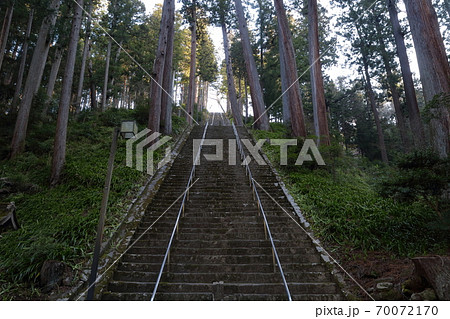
<point x="344" y="207"/>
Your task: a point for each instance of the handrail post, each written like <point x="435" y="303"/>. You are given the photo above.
<point x="274" y="261"/>
<point x="102" y="217"/>
<point x="265" y="230"/>
<point x="168" y="262"/>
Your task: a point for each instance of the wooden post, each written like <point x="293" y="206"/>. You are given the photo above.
<point x="102" y="218"/>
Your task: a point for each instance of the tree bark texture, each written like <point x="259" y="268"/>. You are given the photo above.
<point x="318" y="91"/>
<point x="433" y="66"/>
<point x="293" y="91"/>
<point x="259" y="111"/>
<point x="158" y="69"/>
<point x="59" y="149"/>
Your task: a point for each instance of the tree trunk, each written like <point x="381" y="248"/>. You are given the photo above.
<point x="115" y="102"/>
<point x="436" y="271"/>
<point x="199" y="101"/>
<point x="124" y="93"/>
<point x="284" y="85"/>
<point x="9" y="74"/>
<point x="193" y="66"/>
<point x="170" y="103"/>
<point x="5" y="32"/>
<point x="393" y="89"/>
<point x="54" y="71"/>
<point x="106" y="79"/>
<point x="373" y="105"/>
<point x="59" y="149"/>
<point x="433" y="66"/>
<point x="33" y="79"/>
<point x="158" y="68"/>
<point x="317" y="88"/>
<point x="207" y="95"/>
<point x="167" y="98"/>
<point x="53" y="76"/>
<point x="408" y="83"/>
<point x="87" y="40"/>
<point x="261" y="35"/>
<point x="294" y="96"/>
<point x="246" y="101"/>
<point x="259" y="110"/>
<point x="198" y="83"/>
<point x="23" y="61"/>
<point x="230" y="79"/>
<point x="42" y="68"/>
<point x="92" y="87"/>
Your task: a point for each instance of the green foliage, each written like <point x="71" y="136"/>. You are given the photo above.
<point x="421" y="176"/>
<point x="179" y="123"/>
<point x="60" y="223"/>
<point x="345" y="208"/>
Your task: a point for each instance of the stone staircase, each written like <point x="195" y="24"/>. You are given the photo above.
<point x="221" y="251"/>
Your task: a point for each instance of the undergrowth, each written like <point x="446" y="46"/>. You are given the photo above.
<point x="60" y="223"/>
<point x="345" y="208"/>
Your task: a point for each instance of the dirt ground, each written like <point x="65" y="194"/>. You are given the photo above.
<point x="371" y="268"/>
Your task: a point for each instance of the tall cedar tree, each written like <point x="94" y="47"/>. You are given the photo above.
<point x="154" y="119"/>
<point x="318" y="92"/>
<point x="408" y="83"/>
<point x="166" y="98"/>
<point x="84" y="57"/>
<point x="59" y="149"/>
<point x="287" y="52"/>
<point x="259" y="110"/>
<point x="391" y="82"/>
<point x="433" y="66"/>
<point x="193" y="62"/>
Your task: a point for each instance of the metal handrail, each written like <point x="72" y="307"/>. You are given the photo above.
<point x="258" y="199"/>
<point x="180" y="211"/>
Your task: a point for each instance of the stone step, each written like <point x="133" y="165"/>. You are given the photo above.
<point x="202" y="259"/>
<point x="221" y="258"/>
<point x="214" y="229"/>
<point x="304" y="277"/>
<point x="216" y="221"/>
<point x="115" y="296"/>
<point x="244" y="251"/>
<point x="217" y="268"/>
<point x="282" y="297"/>
<point x="231" y="243"/>
<point x="228" y="288"/>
